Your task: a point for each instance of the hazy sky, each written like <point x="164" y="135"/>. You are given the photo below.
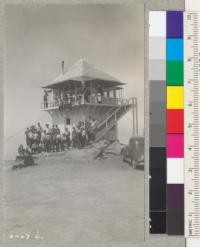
<point x="39" y="37"/>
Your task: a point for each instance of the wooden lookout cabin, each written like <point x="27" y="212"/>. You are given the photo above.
<point x="84" y="91"/>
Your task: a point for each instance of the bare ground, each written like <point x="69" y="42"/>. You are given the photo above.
<point x="75" y="204"/>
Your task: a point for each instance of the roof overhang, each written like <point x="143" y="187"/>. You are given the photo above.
<point x="63" y="84"/>
<point x="83" y="71"/>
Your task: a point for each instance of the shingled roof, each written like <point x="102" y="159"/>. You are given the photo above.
<point x="83" y="71"/>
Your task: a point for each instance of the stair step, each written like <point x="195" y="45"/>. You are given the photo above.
<point x="111" y="121"/>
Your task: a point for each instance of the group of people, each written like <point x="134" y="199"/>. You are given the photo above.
<point x="52" y="139"/>
<point x="63" y="99"/>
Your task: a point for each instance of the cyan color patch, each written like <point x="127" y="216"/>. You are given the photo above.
<point x="175" y="49"/>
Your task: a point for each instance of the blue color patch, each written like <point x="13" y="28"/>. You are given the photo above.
<point x="175" y="49"/>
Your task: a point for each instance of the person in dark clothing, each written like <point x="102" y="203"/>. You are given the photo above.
<point x="58" y="142"/>
<point x="74" y="138"/>
<point x="48" y="138"/>
<point x="87" y="96"/>
<point x="27" y="136"/>
<point x="83" y="137"/>
<point x="39" y="132"/>
<point x="21" y="150"/>
<point x="53" y="140"/>
<point x="57" y="129"/>
<point x="67" y="136"/>
<point x="79" y="137"/>
<point x="62" y="142"/>
<point x="45" y="99"/>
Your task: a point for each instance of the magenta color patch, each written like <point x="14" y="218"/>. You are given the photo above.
<point x="175" y="145"/>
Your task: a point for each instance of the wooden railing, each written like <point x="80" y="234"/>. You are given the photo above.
<point x="49" y="105"/>
<point x="82" y="100"/>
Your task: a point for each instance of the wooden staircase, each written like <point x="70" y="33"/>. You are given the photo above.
<point x="111" y="118"/>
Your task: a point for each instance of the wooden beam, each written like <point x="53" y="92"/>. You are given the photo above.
<point x="133" y="115"/>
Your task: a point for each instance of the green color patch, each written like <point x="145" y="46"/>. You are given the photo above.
<point x="175" y="73"/>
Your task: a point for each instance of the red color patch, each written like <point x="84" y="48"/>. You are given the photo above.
<point x="175" y="121"/>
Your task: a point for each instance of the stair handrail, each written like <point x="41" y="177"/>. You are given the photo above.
<point x="120" y="107"/>
<point x="108" y="127"/>
<point x="108" y="117"/>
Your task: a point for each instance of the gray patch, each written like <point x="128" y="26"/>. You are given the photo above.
<point x="157" y="69"/>
<point x="158" y="113"/>
<point x="157" y="48"/>
<point x="157" y="135"/>
<point x="157" y="91"/>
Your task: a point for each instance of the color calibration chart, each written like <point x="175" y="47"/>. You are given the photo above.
<point x="174" y="81"/>
<point x="166" y="122"/>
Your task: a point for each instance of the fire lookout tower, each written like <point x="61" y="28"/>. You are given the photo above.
<point x="84" y="91"/>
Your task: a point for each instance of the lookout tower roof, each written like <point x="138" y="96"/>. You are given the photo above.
<point x="83" y="71"/>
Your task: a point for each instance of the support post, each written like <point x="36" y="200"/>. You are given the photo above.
<point x="133" y="113"/>
<point x="136" y="117"/>
<point x="115" y="117"/>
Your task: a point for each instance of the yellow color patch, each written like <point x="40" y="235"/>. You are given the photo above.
<point x="175" y="97"/>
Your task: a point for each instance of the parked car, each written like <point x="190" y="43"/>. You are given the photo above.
<point x="133" y="153"/>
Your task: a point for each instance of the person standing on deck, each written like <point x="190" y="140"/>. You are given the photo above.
<point x="46" y="99"/>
